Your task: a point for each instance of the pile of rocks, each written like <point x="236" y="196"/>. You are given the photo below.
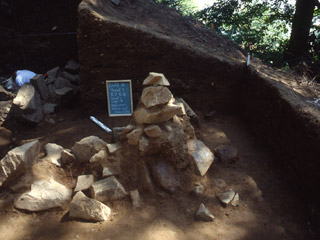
<point x="158" y="148"/>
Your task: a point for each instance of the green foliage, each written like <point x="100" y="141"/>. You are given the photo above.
<point x="263" y="27"/>
<point x="185" y="7"/>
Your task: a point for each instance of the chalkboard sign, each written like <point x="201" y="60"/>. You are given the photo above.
<point x="119" y="96"/>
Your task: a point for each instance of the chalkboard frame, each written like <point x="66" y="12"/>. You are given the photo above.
<point x="128" y="81"/>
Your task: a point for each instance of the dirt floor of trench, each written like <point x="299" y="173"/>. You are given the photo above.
<point x="268" y="209"/>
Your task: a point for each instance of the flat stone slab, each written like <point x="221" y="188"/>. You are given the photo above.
<point x="84" y="182"/>
<point x="201" y="155"/>
<point x="226" y="197"/>
<point x="108" y="189"/>
<point x="82" y="207"/>
<point x="44" y="195"/>
<point x="87" y="147"/>
<point x="203" y="213"/>
<point x="154" y="96"/>
<point x="18" y="160"/>
<point x="156" y="79"/>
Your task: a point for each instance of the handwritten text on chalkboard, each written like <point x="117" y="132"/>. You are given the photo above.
<point x="119" y="96"/>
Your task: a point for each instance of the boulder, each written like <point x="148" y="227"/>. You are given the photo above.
<point x="156" y="79"/>
<point x="203" y="213"/>
<point x="18" y="161"/>
<point x="226" y="154"/>
<point x="44" y="195"/>
<point x="87" y="147"/>
<point x="82" y="207"/>
<point x="70" y="77"/>
<point x="134" y="136"/>
<point x="27" y="104"/>
<point x="153" y="131"/>
<point x="84" y="182"/>
<point x="108" y="189"/>
<point x="201" y="154"/>
<point x="153" y="96"/>
<point x="53" y="153"/>
<point x="165" y="175"/>
<point x="40" y="85"/>
<point x="135" y="198"/>
<point x="5" y="136"/>
<point x="158" y="115"/>
<point x="61" y="83"/>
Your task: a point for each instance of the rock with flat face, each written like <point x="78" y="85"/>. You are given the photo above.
<point x="156" y="79"/>
<point x="99" y="157"/>
<point x="108" y="189"/>
<point x="134" y="136"/>
<point x="201" y="154"/>
<point x="143" y="144"/>
<point x="113" y="147"/>
<point x="40" y="85"/>
<point x="159" y="115"/>
<point x="84" y="182"/>
<point x="53" y="152"/>
<point x="54" y="72"/>
<point x="226" y="154"/>
<point x="87" y="147"/>
<point x="153" y="131"/>
<point x="82" y="207"/>
<point x="5" y="107"/>
<point x="107" y="172"/>
<point x="153" y="96"/>
<point x="235" y="201"/>
<point x="18" y="160"/>
<point x="226" y="197"/>
<point x="203" y="213"/>
<point x="44" y="195"/>
<point x="67" y="157"/>
<point x="27" y="104"/>
<point x="165" y="175"/>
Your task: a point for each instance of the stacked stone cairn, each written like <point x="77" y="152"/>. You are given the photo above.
<point x="158" y="149"/>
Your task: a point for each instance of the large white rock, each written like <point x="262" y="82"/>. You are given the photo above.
<point x="87" y="147"/>
<point x="18" y="160"/>
<point x="159" y="115"/>
<point x="44" y="194"/>
<point x="84" y="182"/>
<point x="82" y="207"/>
<point x="108" y="189"/>
<point x="201" y="155"/>
<point x="53" y="152"/>
<point x="156" y="79"/>
<point x="153" y="96"/>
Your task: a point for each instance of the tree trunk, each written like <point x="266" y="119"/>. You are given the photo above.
<point x="299" y="39"/>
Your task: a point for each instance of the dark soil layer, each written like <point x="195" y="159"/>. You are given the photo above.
<point x="28" y="37"/>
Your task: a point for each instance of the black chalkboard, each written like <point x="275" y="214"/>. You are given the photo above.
<point x="119" y="97"/>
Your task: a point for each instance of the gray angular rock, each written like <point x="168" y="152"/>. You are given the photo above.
<point x="19" y="160"/>
<point x="61" y="83"/>
<point x="87" y="147"/>
<point x="53" y="153"/>
<point x="235" y="201"/>
<point x="226" y="154"/>
<point x="153" y="131"/>
<point x="82" y="207"/>
<point x="84" y="182"/>
<point x="40" y="85"/>
<point x="48" y="108"/>
<point x="107" y="172"/>
<point x="156" y="79"/>
<point x="27" y="104"/>
<point x="203" y="213"/>
<point x="154" y="96"/>
<point x="108" y="189"/>
<point x="135" y="198"/>
<point x="226" y="197"/>
<point x="54" y="72"/>
<point x="44" y="195"/>
<point x="201" y="154"/>
<point x="72" y="65"/>
<point x="165" y="175"/>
